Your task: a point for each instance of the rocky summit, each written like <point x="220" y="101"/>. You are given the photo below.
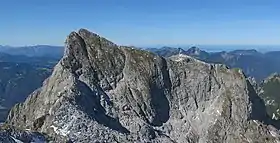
<point x="102" y="92"/>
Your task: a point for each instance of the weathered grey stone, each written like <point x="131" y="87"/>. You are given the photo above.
<point x="9" y="134"/>
<point x="101" y="92"/>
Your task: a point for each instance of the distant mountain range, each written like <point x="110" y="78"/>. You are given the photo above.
<point x="19" y="65"/>
<point x="253" y="63"/>
<point x="20" y="75"/>
<point x="34" y="51"/>
<point x="227" y="48"/>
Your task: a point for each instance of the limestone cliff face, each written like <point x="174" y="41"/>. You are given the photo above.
<point x="101" y="92"/>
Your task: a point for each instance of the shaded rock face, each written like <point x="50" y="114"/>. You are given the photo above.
<point x="101" y="92"/>
<point x="269" y="90"/>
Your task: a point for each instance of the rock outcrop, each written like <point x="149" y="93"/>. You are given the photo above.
<point x="102" y="92"/>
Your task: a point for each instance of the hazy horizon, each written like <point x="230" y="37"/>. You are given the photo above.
<point x="126" y="22"/>
<point x="208" y="48"/>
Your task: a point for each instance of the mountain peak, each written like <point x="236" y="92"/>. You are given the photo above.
<point x="194" y="50"/>
<point x="86" y="33"/>
<point x="245" y="52"/>
<point x="84" y="41"/>
<point x="198" y="53"/>
<point x="131" y="95"/>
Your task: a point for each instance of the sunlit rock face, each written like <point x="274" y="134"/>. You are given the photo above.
<point x="102" y="92"/>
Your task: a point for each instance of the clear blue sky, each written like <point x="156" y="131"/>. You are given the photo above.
<point x="142" y="22"/>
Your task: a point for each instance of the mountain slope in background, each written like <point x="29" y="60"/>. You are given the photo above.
<point x="101" y="92"/>
<point x="269" y="90"/>
<point x="34" y="51"/>
<point x="253" y="63"/>
<point x="17" y="81"/>
<point x="19" y="76"/>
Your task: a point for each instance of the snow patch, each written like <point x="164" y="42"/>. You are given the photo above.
<point x="54" y="128"/>
<point x="273" y="133"/>
<point x="180" y="57"/>
<point x="65" y="128"/>
<point x="270" y="102"/>
<point x="196" y="118"/>
<point x="274" y="116"/>
<point x="62" y="132"/>
<point x="218" y="112"/>
<point x="16" y="140"/>
<point x="255" y="121"/>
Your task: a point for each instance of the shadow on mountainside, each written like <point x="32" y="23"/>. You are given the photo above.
<point x="159" y="100"/>
<point x="90" y="104"/>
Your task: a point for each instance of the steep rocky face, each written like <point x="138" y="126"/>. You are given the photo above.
<point x="253" y="82"/>
<point x="101" y="92"/>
